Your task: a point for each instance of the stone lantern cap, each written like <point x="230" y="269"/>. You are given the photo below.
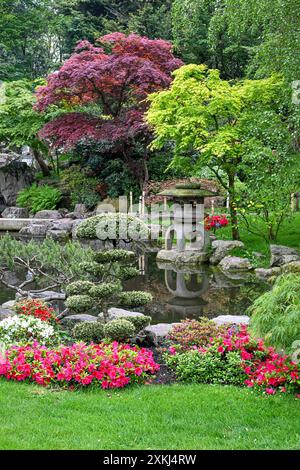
<point x="190" y="191"/>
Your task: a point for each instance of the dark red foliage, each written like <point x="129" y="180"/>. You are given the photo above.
<point x="117" y="75"/>
<point x="68" y="129"/>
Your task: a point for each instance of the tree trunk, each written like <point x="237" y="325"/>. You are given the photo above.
<point x="232" y="207"/>
<point x="272" y="235"/>
<point x="43" y="166"/>
<point x="146" y="173"/>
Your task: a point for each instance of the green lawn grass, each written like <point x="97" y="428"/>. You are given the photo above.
<point x="146" y="417"/>
<point x="289" y="235"/>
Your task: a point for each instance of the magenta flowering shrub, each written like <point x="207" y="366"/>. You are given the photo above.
<point x="234" y="357"/>
<point x="111" y="365"/>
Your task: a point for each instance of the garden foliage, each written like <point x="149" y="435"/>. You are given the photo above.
<point x="275" y="315"/>
<point x="105" y="365"/>
<point x="234" y="357"/>
<point x="37" y="198"/>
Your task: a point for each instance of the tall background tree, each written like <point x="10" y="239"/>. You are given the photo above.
<point x="223" y="126"/>
<point x="104" y="88"/>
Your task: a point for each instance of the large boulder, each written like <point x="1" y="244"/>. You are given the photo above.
<point x="263" y="273"/>
<point x="35" y="230"/>
<point x="188" y="257"/>
<point x="221" y="248"/>
<point x="6" y="313"/>
<point x="231" y="320"/>
<point x="282" y="255"/>
<point x="235" y="263"/>
<point x="80" y="210"/>
<point x="15" y="175"/>
<point x="9" y="304"/>
<point x="116" y="313"/>
<point x="71" y="320"/>
<point x="48" y="215"/>
<point x="48" y="294"/>
<point x="63" y="224"/>
<point x="15" y="213"/>
<point x="58" y="235"/>
<point x="158" y="333"/>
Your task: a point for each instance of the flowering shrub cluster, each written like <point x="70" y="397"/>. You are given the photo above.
<point x="27" y="328"/>
<point x="191" y="333"/>
<point x="108" y="365"/>
<point x="38" y="309"/>
<point x="234" y="357"/>
<point x="214" y="222"/>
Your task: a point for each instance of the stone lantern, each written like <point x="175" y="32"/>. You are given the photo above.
<point x="187" y="225"/>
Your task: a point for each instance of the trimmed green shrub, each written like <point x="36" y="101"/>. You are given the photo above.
<point x="93" y="268"/>
<point x="38" y="198"/>
<point x="134" y="298"/>
<point x="79" y="287"/>
<point x="79" y="303"/>
<point x="194" y="367"/>
<point x="89" y="332"/>
<point x="112" y="226"/>
<point x="275" y="315"/>
<point x="139" y="322"/>
<point x="127" y="272"/>
<point x="109" y="256"/>
<point x="105" y="290"/>
<point x="119" y="330"/>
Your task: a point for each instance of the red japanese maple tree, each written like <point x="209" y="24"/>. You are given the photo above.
<point x="104" y="88"/>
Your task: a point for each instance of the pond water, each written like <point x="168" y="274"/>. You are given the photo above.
<point x="190" y="293"/>
<point x="186" y="293"/>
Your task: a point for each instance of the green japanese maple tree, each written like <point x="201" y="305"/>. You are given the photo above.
<point x="210" y="122"/>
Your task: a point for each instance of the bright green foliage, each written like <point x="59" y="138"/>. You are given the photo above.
<point x="79" y="287"/>
<point x="127" y="272"/>
<point x="264" y="198"/>
<point x="211" y="123"/>
<point x="119" y="330"/>
<point x="105" y="290"/>
<point x="79" y="303"/>
<point x="139" y="321"/>
<point x="93" y="268"/>
<point x="19" y="123"/>
<point x="38" y="198"/>
<point x="109" y="256"/>
<point x="194" y="367"/>
<point x="199" y="414"/>
<point x="275" y="315"/>
<point x="134" y="298"/>
<point x="89" y="332"/>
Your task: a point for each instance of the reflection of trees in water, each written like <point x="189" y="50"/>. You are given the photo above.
<point x="185" y="293"/>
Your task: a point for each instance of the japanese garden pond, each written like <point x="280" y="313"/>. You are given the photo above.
<point x="181" y="293"/>
<point x="186" y="292"/>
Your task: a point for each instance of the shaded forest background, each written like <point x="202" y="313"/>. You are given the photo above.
<point x="239" y="37"/>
